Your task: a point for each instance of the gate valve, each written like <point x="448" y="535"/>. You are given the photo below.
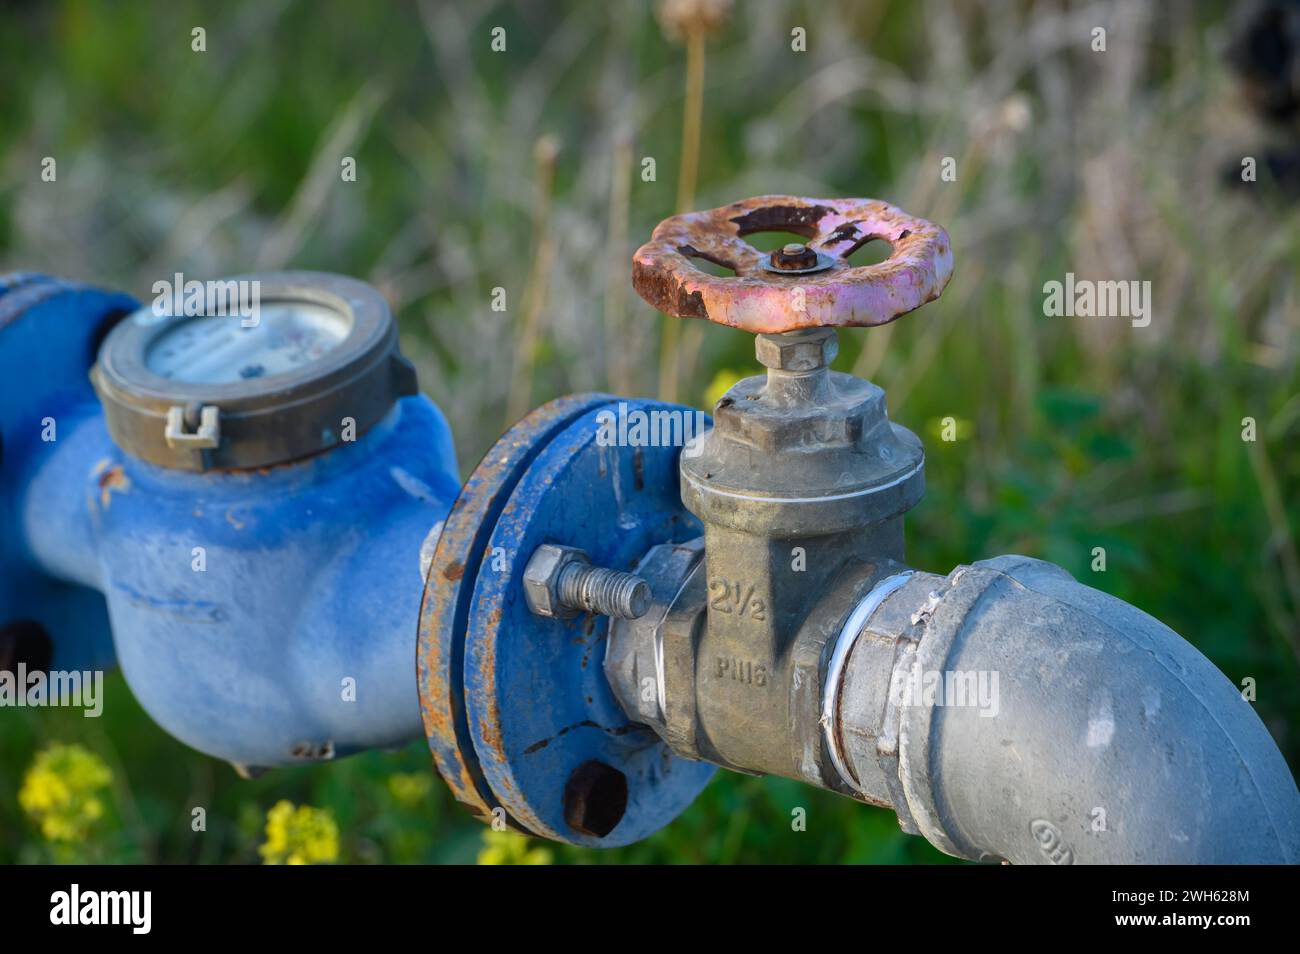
<point x="800" y="461"/>
<point x="570" y="511"/>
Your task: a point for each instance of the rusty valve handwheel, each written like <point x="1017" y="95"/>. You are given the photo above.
<point x="801" y="285"/>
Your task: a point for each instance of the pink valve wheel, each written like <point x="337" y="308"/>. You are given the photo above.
<point x="808" y="285"/>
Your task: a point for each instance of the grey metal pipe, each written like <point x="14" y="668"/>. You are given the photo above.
<point x="1007" y="711"/>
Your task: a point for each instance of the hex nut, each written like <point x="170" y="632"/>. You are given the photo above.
<point x="805" y="350"/>
<point x="542" y="576"/>
<point x="794" y="255"/>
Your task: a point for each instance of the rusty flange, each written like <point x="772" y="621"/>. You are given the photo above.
<point x="444" y="611"/>
<point x="798" y="286"/>
<point x="520" y="717"/>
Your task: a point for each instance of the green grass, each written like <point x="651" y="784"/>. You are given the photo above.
<point x="1076" y="433"/>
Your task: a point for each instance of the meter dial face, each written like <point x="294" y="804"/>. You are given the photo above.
<point x="287" y="336"/>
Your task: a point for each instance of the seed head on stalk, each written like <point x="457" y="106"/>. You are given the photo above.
<point x="691" y="22"/>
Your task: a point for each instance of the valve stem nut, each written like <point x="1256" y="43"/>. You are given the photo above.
<point x="807" y="349"/>
<point x="793" y="256"/>
<point x="560" y="582"/>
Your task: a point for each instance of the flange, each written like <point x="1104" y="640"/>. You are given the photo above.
<point x="444" y="611"/>
<point x="517" y="709"/>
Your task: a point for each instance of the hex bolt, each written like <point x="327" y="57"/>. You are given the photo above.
<point x="608" y="592"/>
<point x="560" y="582"/>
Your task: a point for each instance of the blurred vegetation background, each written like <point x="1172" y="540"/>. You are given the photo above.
<point x="523" y="169"/>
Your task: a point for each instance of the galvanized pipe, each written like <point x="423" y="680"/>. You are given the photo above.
<point x="1007" y="711"/>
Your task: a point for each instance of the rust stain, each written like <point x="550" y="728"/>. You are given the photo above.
<point x="767" y="217"/>
<point x="110" y="481"/>
<point x="490" y="722"/>
<point x="439" y="709"/>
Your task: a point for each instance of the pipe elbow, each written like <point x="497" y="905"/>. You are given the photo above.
<point x="1089" y="732"/>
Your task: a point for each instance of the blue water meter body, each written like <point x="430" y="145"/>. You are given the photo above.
<point x="263" y="615"/>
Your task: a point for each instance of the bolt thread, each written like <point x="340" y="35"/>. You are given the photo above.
<point x="608" y="592"/>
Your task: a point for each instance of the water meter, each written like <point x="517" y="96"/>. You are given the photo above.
<point x="234" y="514"/>
<point x="298" y="363"/>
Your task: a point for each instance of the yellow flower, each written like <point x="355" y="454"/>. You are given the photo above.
<point x="299" y="836"/>
<point x="509" y="848"/>
<point x="60" y="791"/>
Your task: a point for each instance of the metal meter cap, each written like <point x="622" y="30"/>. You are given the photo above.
<point x="291" y="377"/>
